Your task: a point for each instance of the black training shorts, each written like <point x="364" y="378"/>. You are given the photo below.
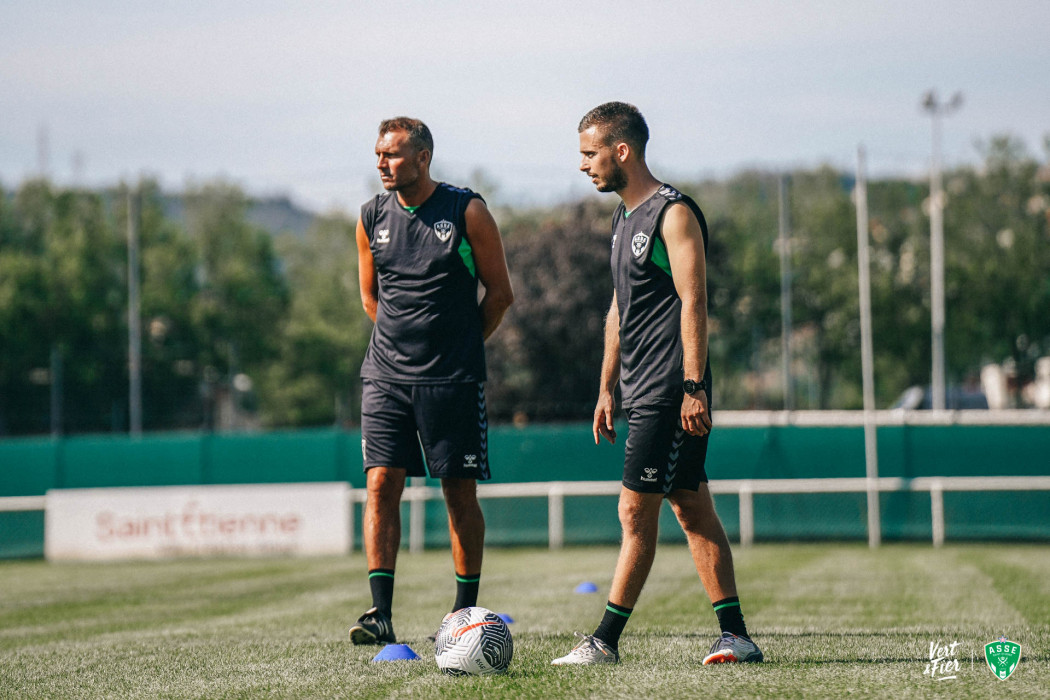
<point x="448" y="421"/>
<point x="660" y="456"/>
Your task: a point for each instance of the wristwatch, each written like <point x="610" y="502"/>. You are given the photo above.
<point x="691" y="387"/>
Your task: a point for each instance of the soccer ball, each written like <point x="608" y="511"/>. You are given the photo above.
<point x="473" y="642"/>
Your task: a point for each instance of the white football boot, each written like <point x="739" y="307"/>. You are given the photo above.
<point x="730" y="648"/>
<point x="588" y="651"/>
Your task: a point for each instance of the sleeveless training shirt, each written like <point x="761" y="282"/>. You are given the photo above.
<point x="650" y="309"/>
<point x="428" y="324"/>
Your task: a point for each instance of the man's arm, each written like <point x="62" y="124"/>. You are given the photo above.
<point x="603" y="412"/>
<point x="685" y="248"/>
<point x="490" y="263"/>
<point x="366" y="273"/>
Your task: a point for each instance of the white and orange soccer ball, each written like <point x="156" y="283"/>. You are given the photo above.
<point x="473" y="642"/>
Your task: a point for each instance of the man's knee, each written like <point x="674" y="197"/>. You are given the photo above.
<point x="639" y="512"/>
<point x="698" y="524"/>
<point x="385" y="485"/>
<point x="696" y="514"/>
<point x="460" y="494"/>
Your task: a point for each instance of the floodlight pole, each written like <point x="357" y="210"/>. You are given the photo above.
<point x="134" y="322"/>
<point x="936" y="110"/>
<point x="56" y="391"/>
<point x="867" y="355"/>
<point x="785" y="293"/>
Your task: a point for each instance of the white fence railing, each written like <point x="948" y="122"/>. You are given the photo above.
<point x="887" y="417"/>
<point x="556" y="491"/>
<point x="11" y="504"/>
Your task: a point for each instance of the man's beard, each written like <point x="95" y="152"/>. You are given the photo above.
<point x="616" y="180"/>
<point x="401" y="184"/>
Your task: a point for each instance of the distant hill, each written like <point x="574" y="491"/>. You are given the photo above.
<point x="276" y="214"/>
<point x="280" y="215"/>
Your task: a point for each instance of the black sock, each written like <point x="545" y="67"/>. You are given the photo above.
<point x="730" y="617"/>
<point x="466" y="591"/>
<point x="612" y="624"/>
<point x="381" y="581"/>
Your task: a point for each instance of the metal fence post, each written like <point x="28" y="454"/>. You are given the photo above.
<point x="556" y="515"/>
<point x="350" y="495"/>
<point x="417" y="514"/>
<point x="747" y="515"/>
<point x="937" y="512"/>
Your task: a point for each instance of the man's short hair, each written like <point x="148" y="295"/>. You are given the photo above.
<point x="618" y="122"/>
<point x="418" y="133"/>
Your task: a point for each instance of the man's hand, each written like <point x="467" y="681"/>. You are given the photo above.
<point x="603" y="418"/>
<point x="696" y="418"/>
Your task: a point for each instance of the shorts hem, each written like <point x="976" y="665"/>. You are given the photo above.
<point x="423" y="381"/>
<point x="426" y="473"/>
<point x="656" y="489"/>
<point x="408" y="472"/>
<point x="643" y="488"/>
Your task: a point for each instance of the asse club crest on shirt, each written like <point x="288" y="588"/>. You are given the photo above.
<point x="444" y="230"/>
<point x="638" y="243"/>
<point x="1002" y="656"/>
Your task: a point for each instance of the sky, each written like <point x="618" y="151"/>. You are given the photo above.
<point x="285" y="97"/>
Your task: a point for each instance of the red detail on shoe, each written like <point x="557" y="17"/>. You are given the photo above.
<point x="722" y="657"/>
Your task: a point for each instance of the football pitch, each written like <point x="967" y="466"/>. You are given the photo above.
<point x="833" y="620"/>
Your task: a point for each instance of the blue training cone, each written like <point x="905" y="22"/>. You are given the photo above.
<point x="586" y="587"/>
<point x="396" y="652"/>
<point x="506" y="618"/>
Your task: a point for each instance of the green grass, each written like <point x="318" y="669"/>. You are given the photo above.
<point x="833" y="621"/>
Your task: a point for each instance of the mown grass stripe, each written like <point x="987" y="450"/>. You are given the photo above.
<point x="833" y="620"/>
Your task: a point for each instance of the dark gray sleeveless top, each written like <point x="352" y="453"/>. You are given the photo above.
<point x="649" y="306"/>
<point x="428" y="324"/>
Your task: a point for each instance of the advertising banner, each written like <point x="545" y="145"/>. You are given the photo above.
<point x="181" y="521"/>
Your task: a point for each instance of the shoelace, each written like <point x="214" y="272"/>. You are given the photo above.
<point x="589" y="641"/>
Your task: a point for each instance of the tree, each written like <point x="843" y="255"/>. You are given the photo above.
<point x="316" y="380"/>
<point x="900" y="287"/>
<point x="169" y="261"/>
<point x="61" y="293"/>
<point x="997" y="263"/>
<point x="243" y="297"/>
<point x="743" y="285"/>
<point x="545" y="359"/>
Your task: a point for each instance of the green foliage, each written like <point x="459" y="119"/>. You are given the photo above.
<point x="997" y="287"/>
<point x="322" y="342"/>
<point x="998" y="261"/>
<point x="60" y="292"/>
<point x="743" y="282"/>
<point x="223" y="298"/>
<point x="243" y="295"/>
<point x="544" y="360"/>
<point x="207" y="298"/>
<point x="170" y="357"/>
